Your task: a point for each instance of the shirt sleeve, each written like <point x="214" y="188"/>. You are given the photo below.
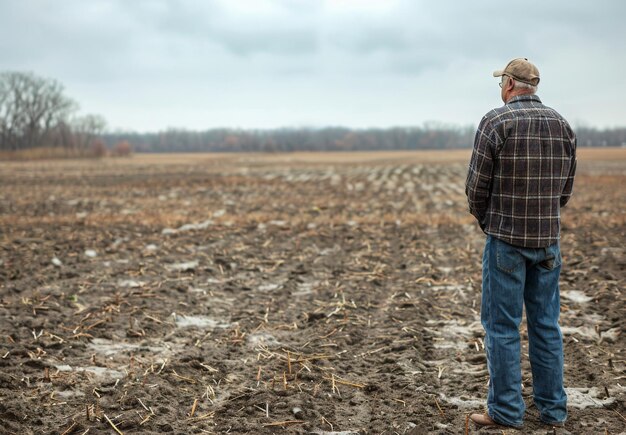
<point x="479" y="176"/>
<point x="569" y="182"/>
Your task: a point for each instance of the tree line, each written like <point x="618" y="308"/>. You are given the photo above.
<point x="297" y="139"/>
<point x="330" y="139"/>
<point x="36" y="113"/>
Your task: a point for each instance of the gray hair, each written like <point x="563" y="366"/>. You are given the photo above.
<point x="521" y="85"/>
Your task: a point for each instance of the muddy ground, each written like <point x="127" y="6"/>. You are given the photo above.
<point x="254" y="295"/>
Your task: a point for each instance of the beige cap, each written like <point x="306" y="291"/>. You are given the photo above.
<point x="520" y="69"/>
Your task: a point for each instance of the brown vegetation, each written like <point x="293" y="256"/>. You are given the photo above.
<point x="122" y="149"/>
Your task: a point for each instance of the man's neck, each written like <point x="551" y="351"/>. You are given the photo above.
<point x="518" y="92"/>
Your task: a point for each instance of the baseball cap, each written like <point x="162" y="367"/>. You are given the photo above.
<point x="520" y="69"/>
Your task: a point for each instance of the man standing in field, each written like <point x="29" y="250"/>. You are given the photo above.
<point x="521" y="173"/>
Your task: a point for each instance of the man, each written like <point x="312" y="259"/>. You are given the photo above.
<point x="521" y="172"/>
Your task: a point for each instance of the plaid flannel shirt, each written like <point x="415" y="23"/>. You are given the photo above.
<point x="521" y="172"/>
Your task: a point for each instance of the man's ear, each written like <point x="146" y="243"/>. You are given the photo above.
<point x="510" y="83"/>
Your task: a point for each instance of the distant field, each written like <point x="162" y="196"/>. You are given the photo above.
<point x="281" y="294"/>
<point x="424" y="156"/>
<point x="608" y="154"/>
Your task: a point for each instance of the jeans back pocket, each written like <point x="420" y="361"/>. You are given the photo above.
<point x="508" y="258"/>
<point x="553" y="257"/>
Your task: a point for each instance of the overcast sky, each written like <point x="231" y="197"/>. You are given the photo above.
<point x="151" y="65"/>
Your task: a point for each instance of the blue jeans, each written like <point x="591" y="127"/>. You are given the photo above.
<point x="513" y="277"/>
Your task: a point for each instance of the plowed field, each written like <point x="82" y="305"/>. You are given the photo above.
<point x="297" y="293"/>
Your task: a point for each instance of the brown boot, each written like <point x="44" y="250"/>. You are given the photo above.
<point x="483" y="420"/>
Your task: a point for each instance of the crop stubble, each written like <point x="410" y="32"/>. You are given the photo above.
<point x="280" y="294"/>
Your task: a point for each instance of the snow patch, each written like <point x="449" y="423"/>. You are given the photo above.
<point x="130" y="283"/>
<point x="188" y="227"/>
<point x="609" y="335"/>
<point x="576" y="296"/>
<point x="109" y="347"/>
<point x="267" y="287"/>
<point x="103" y="373"/>
<point x="343" y="432"/>
<point x="183" y="267"/>
<point x="452" y="334"/>
<point x="69" y="394"/>
<point x="202" y="322"/>
<point x="262" y="338"/>
<point x="463" y="402"/>
<point x="305" y="288"/>
<point x="583" y="398"/>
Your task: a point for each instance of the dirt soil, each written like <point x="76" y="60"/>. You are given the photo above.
<point x="253" y="295"/>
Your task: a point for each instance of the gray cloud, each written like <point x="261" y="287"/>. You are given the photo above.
<point x="282" y="62"/>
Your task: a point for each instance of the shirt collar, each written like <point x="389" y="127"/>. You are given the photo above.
<point x="526" y="97"/>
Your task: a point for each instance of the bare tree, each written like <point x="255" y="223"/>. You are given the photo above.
<point x="86" y="129"/>
<point x="30" y="108"/>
